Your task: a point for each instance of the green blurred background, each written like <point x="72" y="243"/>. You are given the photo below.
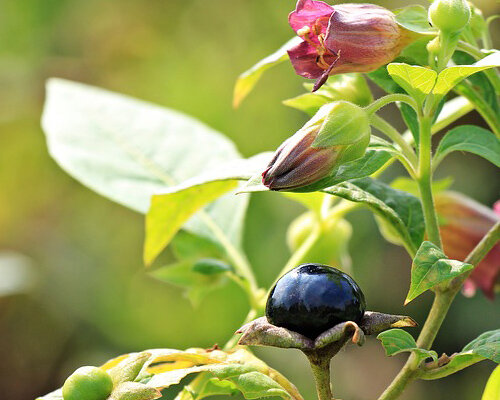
<point x="76" y="257"/>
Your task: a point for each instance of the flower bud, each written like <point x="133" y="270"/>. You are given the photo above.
<point x="343" y="38"/>
<point x="463" y="223"/>
<point x="449" y="16"/>
<point x="339" y="132"/>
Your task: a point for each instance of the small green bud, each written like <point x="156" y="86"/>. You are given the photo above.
<point x="87" y="383"/>
<point x="449" y="16"/>
<point x="338" y="133"/>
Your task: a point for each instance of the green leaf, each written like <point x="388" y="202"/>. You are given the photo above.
<point x="253" y="384"/>
<point x="397" y="341"/>
<point x="196" y="286"/>
<point x="210" y="266"/>
<point x="431" y="267"/>
<point x="188" y="246"/>
<point x="414" y="18"/>
<point x="417" y="81"/>
<point x="169" y="212"/>
<point x="480" y="81"/>
<point x="245" y="378"/>
<point x="214" y="387"/>
<point x="492" y="388"/>
<point x="127" y="150"/>
<point x="450" y="76"/>
<point x="400" y="209"/>
<point x="134" y="391"/>
<point x="310" y="103"/>
<point x="472" y="139"/>
<point x="171" y="209"/>
<point x="248" y="79"/>
<point x="456" y="363"/>
<point x="486" y="345"/>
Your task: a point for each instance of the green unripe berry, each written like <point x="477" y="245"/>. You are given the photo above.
<point x="449" y="16"/>
<point x="87" y="383"/>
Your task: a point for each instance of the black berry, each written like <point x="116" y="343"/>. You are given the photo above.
<point x="313" y="298"/>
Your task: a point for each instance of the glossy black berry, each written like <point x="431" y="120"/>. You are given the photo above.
<point x="312" y="298"/>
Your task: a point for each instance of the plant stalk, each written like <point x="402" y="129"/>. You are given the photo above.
<point x="425" y="181"/>
<point x="391" y="98"/>
<point x="391" y="132"/>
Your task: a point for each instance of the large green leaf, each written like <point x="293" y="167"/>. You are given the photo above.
<point x="248" y="79"/>
<point x="172" y="208"/>
<point x="127" y="150"/>
<point x="472" y="139"/>
<point x="417" y="81"/>
<point x="401" y="210"/>
<point x="431" y="267"/>
<point x="450" y="76"/>
<point x="397" y="341"/>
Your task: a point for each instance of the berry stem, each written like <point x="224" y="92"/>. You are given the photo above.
<point x="320" y="366"/>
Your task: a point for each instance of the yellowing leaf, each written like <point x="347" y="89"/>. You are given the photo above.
<point x="416" y="80"/>
<point x="248" y="79"/>
<point x="450" y="76"/>
<point x="169" y="211"/>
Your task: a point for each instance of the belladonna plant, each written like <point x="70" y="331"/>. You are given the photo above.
<point x="435" y="65"/>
